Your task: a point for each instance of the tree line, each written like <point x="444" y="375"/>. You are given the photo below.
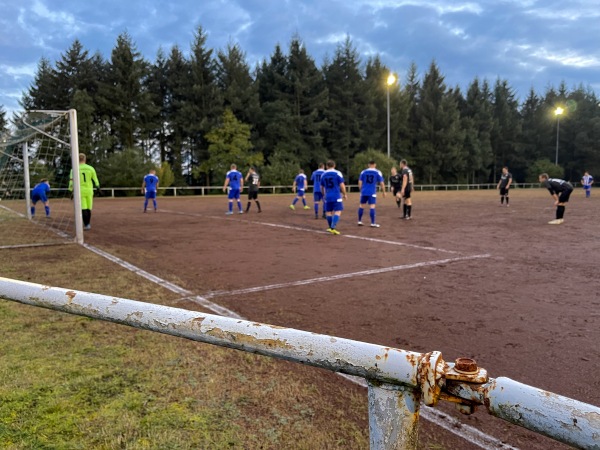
<point x="197" y="112"/>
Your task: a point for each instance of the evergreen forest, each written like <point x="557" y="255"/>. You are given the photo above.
<point x="197" y="111"/>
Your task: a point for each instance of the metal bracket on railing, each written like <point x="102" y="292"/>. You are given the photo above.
<point x="431" y="377"/>
<point x="464" y="372"/>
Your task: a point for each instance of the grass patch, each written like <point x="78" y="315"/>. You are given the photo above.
<point x="69" y="382"/>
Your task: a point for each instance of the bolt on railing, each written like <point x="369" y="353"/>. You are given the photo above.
<point x="398" y="380"/>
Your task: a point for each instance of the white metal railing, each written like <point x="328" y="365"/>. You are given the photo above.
<point x="398" y="380"/>
<point x="175" y="191"/>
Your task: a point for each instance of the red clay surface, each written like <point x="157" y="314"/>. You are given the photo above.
<point x="496" y="284"/>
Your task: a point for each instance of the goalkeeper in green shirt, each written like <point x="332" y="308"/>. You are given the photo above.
<point x="88" y="181"/>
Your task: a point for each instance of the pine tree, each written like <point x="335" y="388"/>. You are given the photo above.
<point x="439" y="135"/>
<point x="504" y="136"/>
<point x="177" y="87"/>
<point x="74" y="72"/>
<point x="122" y="94"/>
<point x="534" y="132"/>
<point x="477" y="123"/>
<point x="347" y="101"/>
<point x="236" y="84"/>
<point x="275" y="119"/>
<point x="412" y="88"/>
<point x="156" y="85"/>
<point x="307" y="97"/>
<point x="42" y="92"/>
<point x="204" y="102"/>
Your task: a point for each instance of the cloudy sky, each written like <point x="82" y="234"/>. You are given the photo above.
<point x="530" y="43"/>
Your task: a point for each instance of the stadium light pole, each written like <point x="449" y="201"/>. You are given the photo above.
<point x="391" y="79"/>
<point x="557" y="113"/>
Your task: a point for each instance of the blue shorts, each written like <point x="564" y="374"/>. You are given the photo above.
<point x="150" y="194"/>
<point x="300" y="193"/>
<point x="39" y="198"/>
<point x="233" y="193"/>
<point x="337" y="205"/>
<point x="318" y="196"/>
<point x="370" y="199"/>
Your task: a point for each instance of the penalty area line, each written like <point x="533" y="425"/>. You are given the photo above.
<point x="462" y="430"/>
<point x="311" y="230"/>
<point x="187" y="295"/>
<point x="342" y="276"/>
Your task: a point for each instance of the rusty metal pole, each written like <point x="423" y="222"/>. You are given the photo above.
<point x="393" y="417"/>
<point x="561" y="418"/>
<point x="369" y="361"/>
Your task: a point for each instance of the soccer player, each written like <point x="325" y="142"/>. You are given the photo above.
<point x="396" y="185"/>
<point x="299" y="188"/>
<point x="235" y="180"/>
<point x="406" y="189"/>
<point x="587" y="180"/>
<point x="504" y="185"/>
<point x="87" y="180"/>
<point x="317" y="193"/>
<point x="561" y="191"/>
<point x="253" y="180"/>
<point x="334" y="192"/>
<point x="149" y="188"/>
<point x="40" y="192"/>
<point x="368" y="181"/>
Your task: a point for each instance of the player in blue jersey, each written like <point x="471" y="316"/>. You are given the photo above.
<point x="586" y="181"/>
<point x="149" y="188"/>
<point x="368" y="181"/>
<point x="40" y="192"/>
<point x="334" y="192"/>
<point x="317" y="193"/>
<point x="235" y="180"/>
<point x="560" y="190"/>
<point x="299" y="188"/>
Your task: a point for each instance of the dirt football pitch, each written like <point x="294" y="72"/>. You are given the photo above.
<point x="466" y="277"/>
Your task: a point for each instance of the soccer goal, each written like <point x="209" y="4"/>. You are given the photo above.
<point x="41" y="148"/>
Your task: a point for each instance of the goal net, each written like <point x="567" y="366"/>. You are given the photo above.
<point x="40" y="150"/>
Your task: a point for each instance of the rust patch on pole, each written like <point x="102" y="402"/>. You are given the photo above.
<point x="71" y="296"/>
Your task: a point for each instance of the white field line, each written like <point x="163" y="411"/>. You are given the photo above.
<point x="311" y="230"/>
<point x="341" y="276"/>
<point x="464" y="431"/>
<point x="188" y="295"/>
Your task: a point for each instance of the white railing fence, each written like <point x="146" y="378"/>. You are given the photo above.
<point x="178" y="191"/>
<point x="398" y="380"/>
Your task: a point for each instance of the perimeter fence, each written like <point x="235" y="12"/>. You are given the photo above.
<point x="398" y="380"/>
<point x="180" y="191"/>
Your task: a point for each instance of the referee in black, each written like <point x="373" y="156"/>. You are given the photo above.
<point x="560" y="191"/>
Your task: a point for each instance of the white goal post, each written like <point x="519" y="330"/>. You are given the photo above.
<point x="41" y="149"/>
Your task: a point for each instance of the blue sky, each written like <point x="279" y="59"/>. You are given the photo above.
<point x="528" y="42"/>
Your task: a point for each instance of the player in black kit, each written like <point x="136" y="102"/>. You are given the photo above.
<point x="396" y="185"/>
<point x="406" y="189"/>
<point x="504" y="185"/>
<point x="253" y="181"/>
<point x="561" y="191"/>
